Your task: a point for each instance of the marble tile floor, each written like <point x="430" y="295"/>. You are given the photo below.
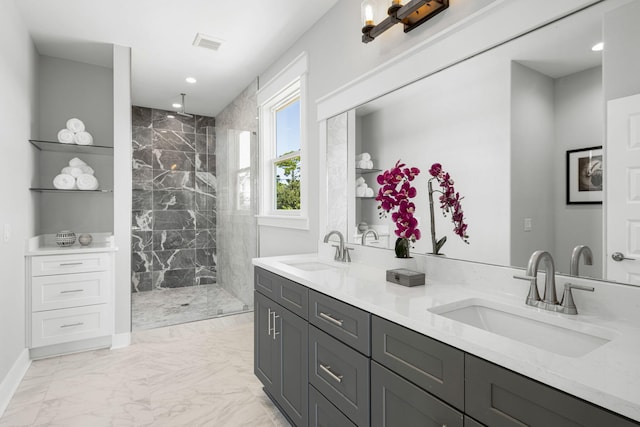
<point x="194" y="374"/>
<point x="165" y="307"/>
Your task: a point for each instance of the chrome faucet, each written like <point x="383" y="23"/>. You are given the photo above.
<point x="575" y="258"/>
<point x="342" y="252"/>
<point x="550" y="299"/>
<point x="366" y="233"/>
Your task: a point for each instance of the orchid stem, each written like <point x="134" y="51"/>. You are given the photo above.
<point x="433" y="221"/>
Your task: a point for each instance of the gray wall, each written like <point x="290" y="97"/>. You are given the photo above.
<point x="236" y="231"/>
<point x="72" y="89"/>
<point x="579" y="124"/>
<point x="18" y="118"/>
<point x="532" y="164"/>
<point x="621" y="35"/>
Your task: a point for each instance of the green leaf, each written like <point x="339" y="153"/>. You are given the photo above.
<point x="440" y="243"/>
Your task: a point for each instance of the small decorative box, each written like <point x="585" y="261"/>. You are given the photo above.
<point x="405" y="277"/>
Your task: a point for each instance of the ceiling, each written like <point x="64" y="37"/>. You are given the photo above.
<point x="160" y="34"/>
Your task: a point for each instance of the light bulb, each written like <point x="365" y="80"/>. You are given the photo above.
<point x="190" y="80"/>
<point x="598" y="47"/>
<point x="176" y="105"/>
<point x="368" y="15"/>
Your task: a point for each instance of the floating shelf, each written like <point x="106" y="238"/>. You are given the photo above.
<point x="358" y="197"/>
<point x="55" y="190"/>
<point x="71" y="148"/>
<point x="363" y="171"/>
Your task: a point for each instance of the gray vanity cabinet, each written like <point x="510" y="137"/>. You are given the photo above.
<point x="280" y="357"/>
<point x="323" y="414"/>
<point x="430" y="364"/>
<point x="499" y="397"/>
<point x="397" y="402"/>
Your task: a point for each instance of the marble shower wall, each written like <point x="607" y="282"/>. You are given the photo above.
<point x="237" y="240"/>
<point x="173" y="237"/>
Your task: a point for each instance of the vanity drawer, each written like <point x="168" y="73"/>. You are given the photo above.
<point x="397" y="402"/>
<point x="323" y="414"/>
<point x="72" y="263"/>
<point x="342" y="321"/>
<point x="341" y="374"/>
<point x="430" y="364"/>
<point x="69" y="290"/>
<point x="499" y="397"/>
<point x="285" y="292"/>
<point x="70" y="324"/>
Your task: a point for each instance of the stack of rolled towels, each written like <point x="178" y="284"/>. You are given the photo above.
<point x="77" y="176"/>
<point x="362" y="189"/>
<point x="75" y="133"/>
<point x="363" y="161"/>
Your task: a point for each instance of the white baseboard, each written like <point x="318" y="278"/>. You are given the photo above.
<point x="120" y="340"/>
<point x="10" y="383"/>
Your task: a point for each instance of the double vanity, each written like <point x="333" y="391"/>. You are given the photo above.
<point x="338" y="345"/>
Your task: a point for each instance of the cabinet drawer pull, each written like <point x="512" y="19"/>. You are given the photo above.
<point x="71" y="291"/>
<point x="71" y="263"/>
<point x="327" y="369"/>
<point x="72" y="324"/>
<point x="275" y="316"/>
<point x="331" y="319"/>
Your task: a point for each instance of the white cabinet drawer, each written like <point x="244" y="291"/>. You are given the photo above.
<point x="72" y="263"/>
<point x="69" y="290"/>
<point x="70" y="324"/>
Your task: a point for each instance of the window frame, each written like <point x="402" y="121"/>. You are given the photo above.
<point x="284" y="88"/>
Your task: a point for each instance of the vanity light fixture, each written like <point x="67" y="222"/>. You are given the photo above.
<point x="598" y="47"/>
<point x="411" y="14"/>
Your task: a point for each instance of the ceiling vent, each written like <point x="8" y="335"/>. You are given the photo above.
<point x="207" y="42"/>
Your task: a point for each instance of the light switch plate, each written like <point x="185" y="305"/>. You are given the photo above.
<point x="528" y="224"/>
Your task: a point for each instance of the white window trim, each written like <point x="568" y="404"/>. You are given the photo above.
<point x="272" y="93"/>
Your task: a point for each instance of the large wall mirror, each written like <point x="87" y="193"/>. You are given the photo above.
<point x="502" y="124"/>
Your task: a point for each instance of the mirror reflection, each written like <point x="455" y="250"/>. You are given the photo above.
<point x="501" y="123"/>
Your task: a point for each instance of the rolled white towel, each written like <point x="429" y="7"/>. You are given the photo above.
<point x="76" y="162"/>
<point x="74" y="172"/>
<point x="360" y="181"/>
<point x="83" y="138"/>
<point x="363" y="156"/>
<point x="361" y="191"/>
<point x="86" y="169"/>
<point x="75" y="125"/>
<point x="365" y="186"/>
<point x="64" y="182"/>
<point x="368" y="192"/>
<point x="361" y="164"/>
<point x="87" y="182"/>
<point x="369" y="164"/>
<point x="65" y="136"/>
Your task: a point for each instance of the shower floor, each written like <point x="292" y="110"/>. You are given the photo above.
<point x="165" y="307"/>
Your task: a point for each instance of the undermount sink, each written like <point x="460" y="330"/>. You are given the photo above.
<point x="310" y="265"/>
<point x="563" y="337"/>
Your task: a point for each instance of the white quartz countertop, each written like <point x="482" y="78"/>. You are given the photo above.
<point x="608" y="376"/>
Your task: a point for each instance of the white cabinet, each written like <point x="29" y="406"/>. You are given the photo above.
<point x="69" y="300"/>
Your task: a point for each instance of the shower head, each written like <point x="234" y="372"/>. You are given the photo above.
<point x="183" y="113"/>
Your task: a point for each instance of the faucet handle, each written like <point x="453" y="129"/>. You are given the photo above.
<point x="338" y="255"/>
<point x="347" y="257"/>
<point x="533" y="298"/>
<point x="567" y="305"/>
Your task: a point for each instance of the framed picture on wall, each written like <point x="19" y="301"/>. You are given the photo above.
<point x="585" y="173"/>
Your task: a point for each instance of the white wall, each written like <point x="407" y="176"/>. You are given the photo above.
<point x="532" y="163"/>
<point x="459" y="119"/>
<point x="579" y="124"/>
<point x="73" y="89"/>
<point x="18" y="118"/>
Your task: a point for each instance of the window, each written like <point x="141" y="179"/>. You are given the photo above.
<point x="243" y="171"/>
<point x="282" y="149"/>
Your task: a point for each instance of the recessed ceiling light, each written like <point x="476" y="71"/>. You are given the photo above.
<point x="176" y="105"/>
<point x="598" y="47"/>
<point x="190" y="80"/>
